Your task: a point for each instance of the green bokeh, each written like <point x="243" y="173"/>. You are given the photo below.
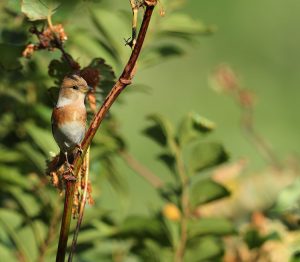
<point x="259" y="40"/>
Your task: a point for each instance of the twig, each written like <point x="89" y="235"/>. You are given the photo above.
<point x="259" y="142"/>
<point x="136" y="166"/>
<point x="58" y="44"/>
<point x="120" y="85"/>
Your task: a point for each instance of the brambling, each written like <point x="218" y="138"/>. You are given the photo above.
<point x="69" y="115"/>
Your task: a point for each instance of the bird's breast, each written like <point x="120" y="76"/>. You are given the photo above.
<point x="68" y="114"/>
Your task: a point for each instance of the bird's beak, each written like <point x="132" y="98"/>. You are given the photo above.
<point x="87" y="89"/>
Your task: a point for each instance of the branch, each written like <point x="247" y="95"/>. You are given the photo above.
<point x="120" y="85"/>
<point x="259" y="141"/>
<point x="152" y="179"/>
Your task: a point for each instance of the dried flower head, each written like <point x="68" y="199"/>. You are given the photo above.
<point x="225" y="79"/>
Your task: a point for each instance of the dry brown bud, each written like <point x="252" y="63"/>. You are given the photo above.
<point x="151" y="2"/>
<point x="226" y="78"/>
<point x="29" y="50"/>
<point x="246" y="98"/>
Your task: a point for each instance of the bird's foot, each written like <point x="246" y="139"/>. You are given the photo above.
<point x="69" y="177"/>
<point x="69" y="173"/>
<point x="79" y="148"/>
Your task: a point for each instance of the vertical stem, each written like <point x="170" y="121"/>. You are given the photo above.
<point x="65" y="222"/>
<point x="180" y="249"/>
<point x="123" y="81"/>
<point x="259" y="142"/>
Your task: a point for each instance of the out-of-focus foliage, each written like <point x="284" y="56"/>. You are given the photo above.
<point x="30" y="207"/>
<point x="209" y="207"/>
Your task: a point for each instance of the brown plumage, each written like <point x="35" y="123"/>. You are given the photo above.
<point x="69" y="115"/>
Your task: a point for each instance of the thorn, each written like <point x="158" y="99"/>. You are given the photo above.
<point x="128" y="42"/>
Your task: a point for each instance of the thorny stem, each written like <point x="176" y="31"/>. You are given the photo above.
<point x="65" y="222"/>
<point x="140" y="169"/>
<point x="120" y="85"/>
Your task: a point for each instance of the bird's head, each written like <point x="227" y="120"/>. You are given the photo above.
<point x="73" y="89"/>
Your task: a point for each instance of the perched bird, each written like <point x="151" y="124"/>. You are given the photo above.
<point x="69" y="115"/>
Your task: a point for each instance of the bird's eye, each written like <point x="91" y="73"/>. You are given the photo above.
<point x="75" y="87"/>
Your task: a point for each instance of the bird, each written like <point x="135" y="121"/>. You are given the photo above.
<point x="69" y="115"/>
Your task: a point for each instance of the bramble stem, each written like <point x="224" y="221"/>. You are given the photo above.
<point x="120" y="85"/>
<point x="65" y="222"/>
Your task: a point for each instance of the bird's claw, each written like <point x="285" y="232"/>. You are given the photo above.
<point x="79" y="148"/>
<point x="69" y="177"/>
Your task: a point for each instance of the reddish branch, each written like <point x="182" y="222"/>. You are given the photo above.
<point x="120" y="85"/>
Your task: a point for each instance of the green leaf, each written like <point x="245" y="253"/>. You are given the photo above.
<point x="170" y="193"/>
<point x="157" y="54"/>
<point x="206" y="191"/>
<point x="255" y="240"/>
<point x="11" y="175"/>
<point x="58" y="69"/>
<point x="142" y="228"/>
<point x="204" y="249"/>
<point x="7" y="254"/>
<point x="11" y="217"/>
<point x="38" y="9"/>
<point x="27" y="202"/>
<point x="107" y="77"/>
<point x="10" y="55"/>
<point x="182" y="26"/>
<point x="105" y="143"/>
<point x="9" y="156"/>
<point x="210" y="226"/>
<point x="173" y="231"/>
<point x="162" y="132"/>
<point x="43" y="139"/>
<point x="192" y="127"/>
<point x="36" y="157"/>
<point x="288" y="199"/>
<point x="43" y="112"/>
<point x="11" y="220"/>
<point x="169" y="161"/>
<point x="26" y="235"/>
<point x="108" y="41"/>
<point x="7" y="123"/>
<point x="151" y="251"/>
<point x="205" y="155"/>
<point x="296" y="256"/>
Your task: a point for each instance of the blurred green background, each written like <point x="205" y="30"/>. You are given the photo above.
<point x="258" y="39"/>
